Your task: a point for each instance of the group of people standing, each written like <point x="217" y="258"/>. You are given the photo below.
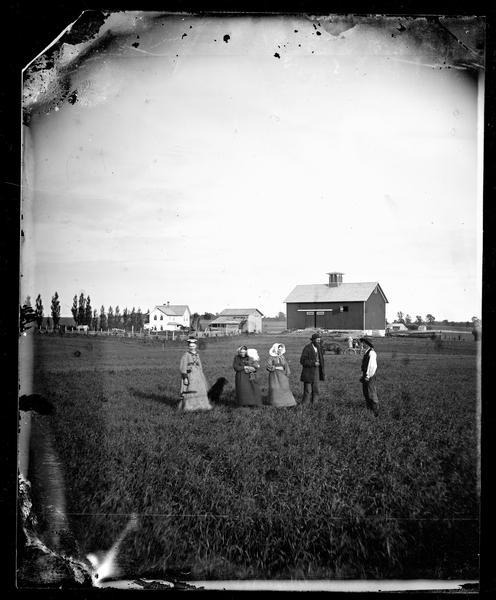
<point x="246" y="365"/>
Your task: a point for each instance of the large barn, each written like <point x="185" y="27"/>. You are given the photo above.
<point x="338" y="306"/>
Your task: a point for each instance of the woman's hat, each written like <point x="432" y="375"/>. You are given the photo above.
<point x="368" y="342"/>
<point x="315" y="336"/>
<point x="242" y="348"/>
<point x="274" y="350"/>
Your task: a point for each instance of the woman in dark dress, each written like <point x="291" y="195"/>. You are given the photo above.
<point x="248" y="391"/>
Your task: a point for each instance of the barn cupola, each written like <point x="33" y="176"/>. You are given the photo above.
<point x="335" y="279"/>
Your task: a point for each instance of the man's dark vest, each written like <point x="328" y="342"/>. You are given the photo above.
<point x="365" y="361"/>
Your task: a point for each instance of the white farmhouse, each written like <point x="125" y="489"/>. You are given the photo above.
<point x="169" y="317"/>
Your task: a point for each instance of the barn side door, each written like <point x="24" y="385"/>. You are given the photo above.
<point x="310" y="319"/>
<point x="320" y="319"/>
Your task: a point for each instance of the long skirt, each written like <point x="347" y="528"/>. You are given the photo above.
<point x="279" y="391"/>
<point x="248" y="392"/>
<point x="194" y="396"/>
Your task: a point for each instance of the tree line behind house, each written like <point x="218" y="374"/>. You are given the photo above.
<point x="133" y="320"/>
<point x="84" y="314"/>
<point x="96" y="320"/>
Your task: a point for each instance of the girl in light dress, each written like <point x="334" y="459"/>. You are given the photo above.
<point x="194" y="387"/>
<point x="279" y="391"/>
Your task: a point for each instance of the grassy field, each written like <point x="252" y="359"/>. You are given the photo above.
<point x="325" y="491"/>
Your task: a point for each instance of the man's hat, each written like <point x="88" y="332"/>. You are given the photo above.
<point x="315" y="336"/>
<point x="368" y="342"/>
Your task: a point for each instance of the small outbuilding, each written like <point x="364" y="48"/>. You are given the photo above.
<point x="238" y="320"/>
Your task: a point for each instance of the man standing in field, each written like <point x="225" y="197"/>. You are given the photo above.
<point x="369" y="368"/>
<point x="312" y="361"/>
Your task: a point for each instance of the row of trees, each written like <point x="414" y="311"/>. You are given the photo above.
<point x="84" y="314"/>
<point x="28" y="314"/>
<point x="430" y="319"/>
<point x="419" y="320"/>
<point x="128" y="320"/>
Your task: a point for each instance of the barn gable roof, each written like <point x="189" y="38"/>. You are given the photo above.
<point x="173" y="310"/>
<point x="345" y="292"/>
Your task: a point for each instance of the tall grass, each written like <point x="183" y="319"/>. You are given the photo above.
<point x="318" y="492"/>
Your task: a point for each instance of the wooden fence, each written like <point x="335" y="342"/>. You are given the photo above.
<point x="162" y="335"/>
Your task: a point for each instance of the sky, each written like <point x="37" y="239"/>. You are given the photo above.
<point x="209" y="172"/>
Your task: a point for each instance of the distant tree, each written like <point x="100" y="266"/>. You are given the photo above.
<point x="125" y="319"/>
<point x="445" y="321"/>
<point x="475" y="320"/>
<point x="110" y="318"/>
<point x="408" y="320"/>
<point x="140" y="319"/>
<point x="117" y="317"/>
<point x="94" y="320"/>
<point x="132" y="319"/>
<point x="430" y="319"/>
<point x="103" y="319"/>
<point x="81" y="309"/>
<point x="195" y="321"/>
<point x="208" y="316"/>
<point x="418" y="320"/>
<point x="87" y="312"/>
<point x="74" y="309"/>
<point x="399" y="317"/>
<point x="55" y="310"/>
<point x="39" y="311"/>
<point x="27" y="302"/>
<point x="281" y="316"/>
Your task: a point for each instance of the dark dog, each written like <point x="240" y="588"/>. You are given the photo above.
<point x="37" y="403"/>
<point x="215" y="392"/>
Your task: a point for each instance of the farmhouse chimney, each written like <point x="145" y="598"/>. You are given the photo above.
<point x="335" y="279"/>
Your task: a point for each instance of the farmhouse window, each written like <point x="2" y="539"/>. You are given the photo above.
<point x="343" y="309"/>
<point x="161" y="317"/>
<point x="320" y="312"/>
<point x="155" y="317"/>
<point x="310" y="312"/>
